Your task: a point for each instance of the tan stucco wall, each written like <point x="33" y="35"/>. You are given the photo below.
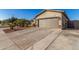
<point x="49" y="14"/>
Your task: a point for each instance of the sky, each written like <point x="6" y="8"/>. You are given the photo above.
<point x="29" y="14"/>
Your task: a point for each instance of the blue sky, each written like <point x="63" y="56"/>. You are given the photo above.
<point x="73" y="14"/>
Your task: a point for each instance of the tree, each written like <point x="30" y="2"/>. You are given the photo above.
<point x="28" y="22"/>
<point x="22" y="22"/>
<point x="11" y="25"/>
<point x="11" y="22"/>
<point x="12" y="19"/>
<point x="0" y="21"/>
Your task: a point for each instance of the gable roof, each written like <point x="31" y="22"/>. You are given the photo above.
<point x="59" y="11"/>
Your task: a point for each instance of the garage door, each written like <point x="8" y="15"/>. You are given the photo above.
<point x="48" y="23"/>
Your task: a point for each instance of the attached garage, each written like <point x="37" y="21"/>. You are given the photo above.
<point x="48" y="23"/>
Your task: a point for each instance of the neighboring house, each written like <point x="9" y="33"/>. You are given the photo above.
<point x="71" y="25"/>
<point x="76" y="24"/>
<point x="52" y="19"/>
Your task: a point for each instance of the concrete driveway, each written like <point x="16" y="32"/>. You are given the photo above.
<point x="67" y="40"/>
<point x="40" y="39"/>
<point x="25" y="38"/>
<point x="5" y="42"/>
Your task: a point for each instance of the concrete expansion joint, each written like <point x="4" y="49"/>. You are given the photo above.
<point x="39" y="40"/>
<point x="54" y="40"/>
<point x="44" y="43"/>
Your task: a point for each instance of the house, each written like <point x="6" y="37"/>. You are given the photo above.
<point x="76" y="24"/>
<point x="52" y="19"/>
<point x="71" y="24"/>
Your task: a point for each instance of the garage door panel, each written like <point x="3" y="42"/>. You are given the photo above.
<point x="43" y="23"/>
<point x="48" y="23"/>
